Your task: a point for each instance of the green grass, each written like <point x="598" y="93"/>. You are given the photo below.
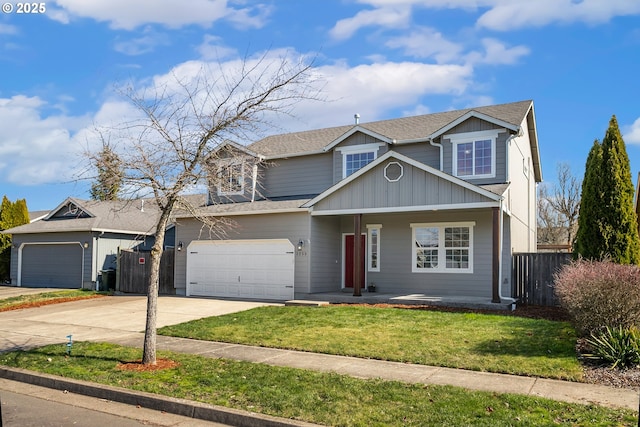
<point x="328" y="399"/>
<point x="481" y="342"/>
<point x="46" y="298"/>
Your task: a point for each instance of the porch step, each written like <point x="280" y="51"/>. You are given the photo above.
<point x="302" y="302"/>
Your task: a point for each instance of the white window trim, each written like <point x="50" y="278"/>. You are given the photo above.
<point x="358" y="149"/>
<point x="463" y="138"/>
<point x="227" y="164"/>
<point x="370" y="228"/>
<point x="442" y="268"/>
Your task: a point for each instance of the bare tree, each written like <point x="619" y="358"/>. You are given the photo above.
<point x="171" y="148"/>
<point x="558" y="209"/>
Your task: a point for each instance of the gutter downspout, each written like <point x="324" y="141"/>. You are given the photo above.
<point x="254" y="178"/>
<point x="436" y="144"/>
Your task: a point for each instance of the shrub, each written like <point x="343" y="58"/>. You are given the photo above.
<point x="597" y="294"/>
<point x="619" y="346"/>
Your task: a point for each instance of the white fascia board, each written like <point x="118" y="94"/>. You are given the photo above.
<point x="288" y="156"/>
<point x="352" y="131"/>
<point x="238" y="147"/>
<point x="478" y="115"/>
<point x="404" y="209"/>
<point x="244" y="213"/>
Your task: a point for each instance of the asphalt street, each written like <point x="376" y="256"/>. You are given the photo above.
<point x="25" y="405"/>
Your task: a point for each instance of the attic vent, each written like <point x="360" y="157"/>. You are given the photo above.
<point x="393" y="171"/>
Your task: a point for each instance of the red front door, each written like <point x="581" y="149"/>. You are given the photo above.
<point x="348" y="260"/>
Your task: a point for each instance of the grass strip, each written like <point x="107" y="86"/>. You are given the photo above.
<point x="481" y="342"/>
<point x="322" y="398"/>
<point x="46" y="298"/>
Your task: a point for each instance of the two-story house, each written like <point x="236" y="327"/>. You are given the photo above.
<point x="430" y="205"/>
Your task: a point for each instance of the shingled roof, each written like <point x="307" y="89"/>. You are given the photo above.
<point x="401" y="129"/>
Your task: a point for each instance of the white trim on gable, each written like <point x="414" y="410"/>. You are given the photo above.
<point x="389" y="154"/>
<point x="477" y="115"/>
<point x="66" y="202"/>
<point x="238" y="147"/>
<point x="354" y="130"/>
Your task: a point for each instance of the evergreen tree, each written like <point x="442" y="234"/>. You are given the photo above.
<point x="620" y="224"/>
<point x="589" y="241"/>
<point x="608" y="223"/>
<point x="109" y="179"/>
<point x="11" y="215"/>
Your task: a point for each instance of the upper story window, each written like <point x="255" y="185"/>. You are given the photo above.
<point x="474" y="154"/>
<point x="231" y="179"/>
<point x="355" y="157"/>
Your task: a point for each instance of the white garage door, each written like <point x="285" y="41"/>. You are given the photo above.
<point x="256" y="269"/>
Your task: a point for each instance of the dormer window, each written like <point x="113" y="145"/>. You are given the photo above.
<point x="355" y="157"/>
<point x="474" y="154"/>
<point x="231" y="179"/>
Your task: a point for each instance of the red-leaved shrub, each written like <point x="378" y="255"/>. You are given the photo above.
<point x="599" y="294"/>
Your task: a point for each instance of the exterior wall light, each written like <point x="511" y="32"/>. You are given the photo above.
<point x="300" y="244"/>
<point x="180" y="245"/>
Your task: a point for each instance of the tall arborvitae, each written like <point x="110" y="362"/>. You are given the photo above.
<point x="589" y="241"/>
<point x="608" y="224"/>
<point x="11" y="215"/>
<point x="620" y="225"/>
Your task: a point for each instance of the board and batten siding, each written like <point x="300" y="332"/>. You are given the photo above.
<point x="476" y="125"/>
<point x="326" y="245"/>
<point x="292" y="226"/>
<point x="416" y="187"/>
<point x="396" y="260"/>
<point x="296" y="176"/>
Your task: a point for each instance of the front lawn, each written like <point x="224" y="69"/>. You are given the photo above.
<point x="481" y="342"/>
<point x="323" y="398"/>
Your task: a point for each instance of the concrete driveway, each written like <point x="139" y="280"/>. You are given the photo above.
<point x="103" y="319"/>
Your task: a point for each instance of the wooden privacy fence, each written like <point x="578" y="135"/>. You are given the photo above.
<point x="135" y="268"/>
<point x="532" y="277"/>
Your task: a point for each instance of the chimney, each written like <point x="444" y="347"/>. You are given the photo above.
<point x="357" y="117"/>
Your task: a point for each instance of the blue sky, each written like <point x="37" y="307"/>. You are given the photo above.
<point x="576" y="59"/>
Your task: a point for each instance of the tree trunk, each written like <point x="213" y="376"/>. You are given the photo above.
<point x="149" y="349"/>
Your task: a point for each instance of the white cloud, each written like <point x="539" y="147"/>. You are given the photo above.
<point x="426" y="42"/>
<point x="497" y="53"/>
<point x="146" y="43"/>
<point x="498" y="15"/>
<point x="213" y="49"/>
<point x="631" y="134"/>
<point x="389" y="16"/>
<point x="41" y="148"/>
<point x="127" y="14"/>
<point x="505" y="15"/>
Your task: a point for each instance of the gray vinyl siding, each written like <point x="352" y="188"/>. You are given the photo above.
<point x="292" y="226"/>
<point x="326" y="244"/>
<point x="296" y="176"/>
<point x="415" y="188"/>
<point x="477" y="125"/>
<point x="422" y="152"/>
<point x="396" y="261"/>
<point x="355" y="139"/>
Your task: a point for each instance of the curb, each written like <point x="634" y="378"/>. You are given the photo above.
<point x="187" y="408"/>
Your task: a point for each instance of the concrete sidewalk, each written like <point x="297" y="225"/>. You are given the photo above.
<point x="120" y="320"/>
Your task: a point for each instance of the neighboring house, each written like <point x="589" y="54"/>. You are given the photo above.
<point x="72" y="244"/>
<point x="437" y="202"/>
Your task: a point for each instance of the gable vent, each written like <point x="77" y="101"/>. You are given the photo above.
<point x="393" y="171"/>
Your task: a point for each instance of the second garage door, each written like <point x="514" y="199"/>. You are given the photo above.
<point x="52" y="265"/>
<point x="256" y="269"/>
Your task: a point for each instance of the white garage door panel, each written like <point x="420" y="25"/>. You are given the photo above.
<point x="260" y="269"/>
